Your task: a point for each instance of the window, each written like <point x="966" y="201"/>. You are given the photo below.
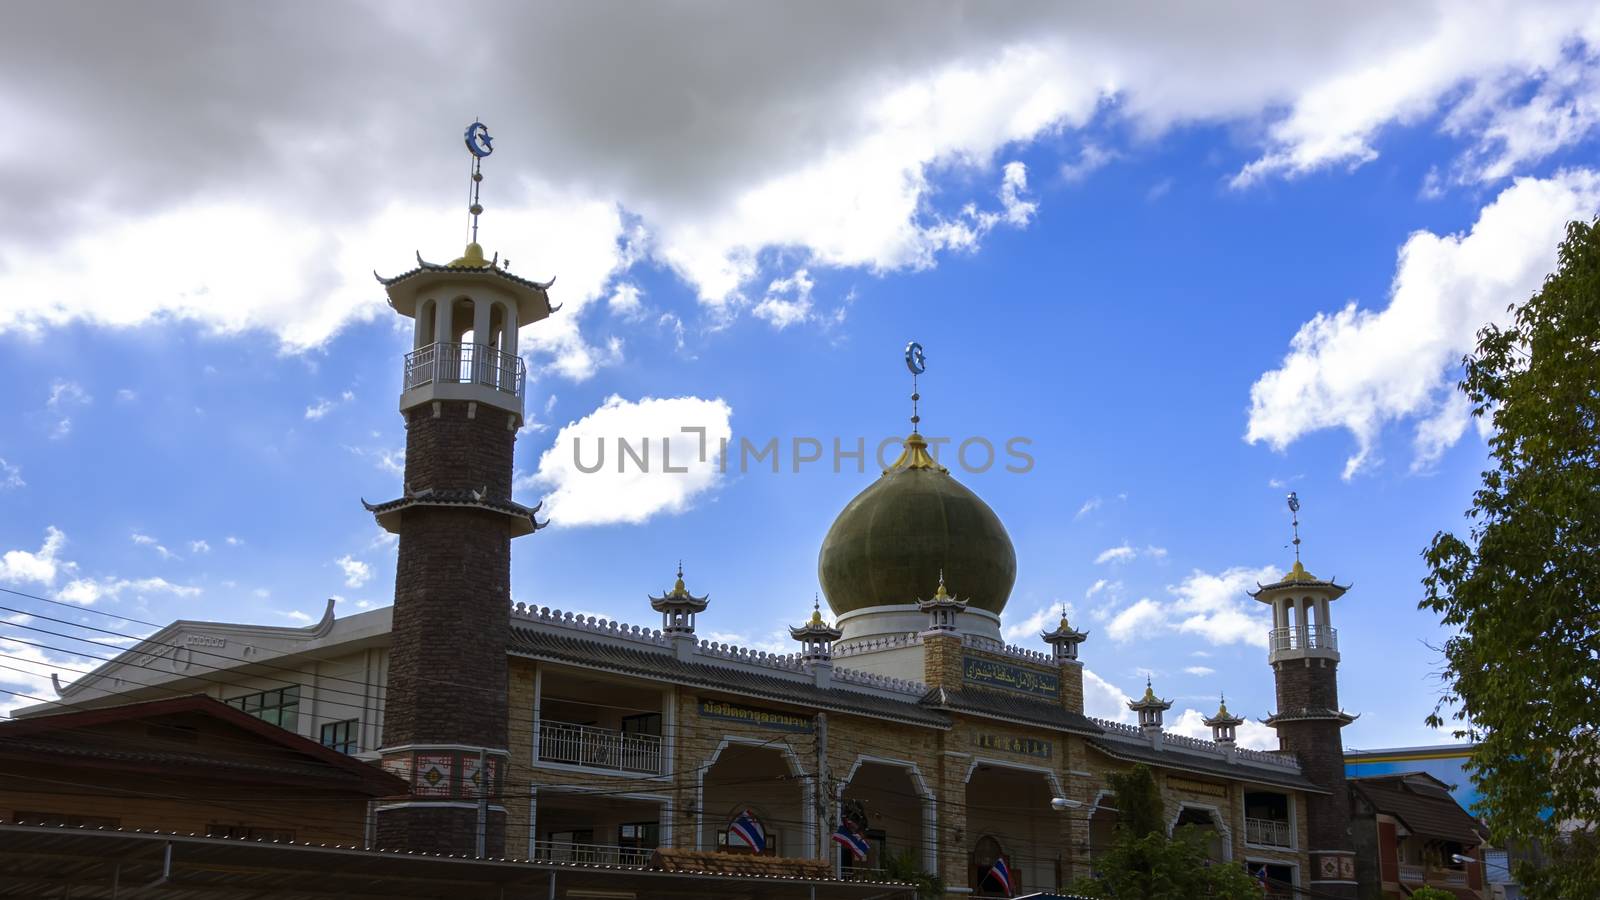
<point x="66" y="821"/>
<point x="648" y="723"/>
<point x="281" y="707"/>
<point x="642" y="835"/>
<point x="341" y="736"/>
<point x="249" y="832"/>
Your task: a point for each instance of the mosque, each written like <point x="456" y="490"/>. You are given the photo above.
<point x="901" y="728"/>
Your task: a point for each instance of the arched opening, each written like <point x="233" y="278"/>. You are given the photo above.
<point x="425" y="323"/>
<point x="1011" y="806"/>
<point x="891" y="806"/>
<point x="992" y="878"/>
<point x="766" y="782"/>
<point x="1217" y="846"/>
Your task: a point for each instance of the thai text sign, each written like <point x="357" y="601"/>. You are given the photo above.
<point x="988" y="673"/>
<point x="761" y="718"/>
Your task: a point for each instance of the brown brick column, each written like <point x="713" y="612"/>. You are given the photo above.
<point x="446" y="698"/>
<point x="1309" y="726"/>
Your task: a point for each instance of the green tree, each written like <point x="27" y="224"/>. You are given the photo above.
<point x="1431" y="893"/>
<point x="1142" y="863"/>
<point x="903" y="866"/>
<point x="1522" y="673"/>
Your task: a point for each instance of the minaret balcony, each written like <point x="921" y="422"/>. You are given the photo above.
<point x="449" y="370"/>
<point x="1304" y="641"/>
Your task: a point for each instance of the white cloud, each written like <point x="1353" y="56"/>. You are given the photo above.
<point x="1045" y="618"/>
<point x="625" y="300"/>
<point x="324" y="406"/>
<point x="297" y="615"/>
<point x="1251" y="735"/>
<point x="1102" y="584"/>
<point x="145" y="540"/>
<point x="10" y="476"/>
<point x="779" y="312"/>
<point x="1089" y="506"/>
<point x="1091" y="157"/>
<point x="1114" y="555"/>
<point x="65" y="398"/>
<point x="1143" y="617"/>
<point x="41" y="567"/>
<point x="85" y="591"/>
<point x="233" y="541"/>
<point x="200" y="546"/>
<point x="356" y="572"/>
<point x="1217" y="608"/>
<point x="1104" y="700"/>
<point x="1200" y="671"/>
<point x="621" y="490"/>
<point x="1359" y="369"/>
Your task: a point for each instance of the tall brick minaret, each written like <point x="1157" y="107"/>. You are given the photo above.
<point x="445" y="716"/>
<point x="1304" y="655"/>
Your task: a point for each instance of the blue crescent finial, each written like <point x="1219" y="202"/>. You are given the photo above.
<point x="479" y="143"/>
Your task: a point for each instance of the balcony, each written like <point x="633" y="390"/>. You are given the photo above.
<point x="599" y="748"/>
<point x="592" y="854"/>
<point x="1268" y="833"/>
<point x="1307" y="637"/>
<point x="1412" y="873"/>
<point x="450" y="371"/>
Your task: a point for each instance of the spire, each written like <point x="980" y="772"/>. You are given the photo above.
<point x="942" y="609"/>
<point x="917" y="363"/>
<point x="1294" y="513"/>
<point x="480" y="145"/>
<point x="1065" y="639"/>
<point x="1150" y="707"/>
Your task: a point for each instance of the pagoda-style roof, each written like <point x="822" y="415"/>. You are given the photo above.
<point x="1064" y="633"/>
<point x="679" y="598"/>
<point x="533" y="303"/>
<point x="816" y="629"/>
<point x="1311" y="714"/>
<point x="523" y="518"/>
<point x="941" y="599"/>
<point x="1223" y="717"/>
<point x="1298" y="577"/>
<point x="1149" y="700"/>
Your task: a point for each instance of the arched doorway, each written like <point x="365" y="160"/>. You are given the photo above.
<point x="765" y="780"/>
<point x="1008" y="813"/>
<point x="895" y="803"/>
<point x="1205" y="819"/>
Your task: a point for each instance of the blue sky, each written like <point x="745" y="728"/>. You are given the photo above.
<point x="1196" y="268"/>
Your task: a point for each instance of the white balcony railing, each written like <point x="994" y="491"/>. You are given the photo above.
<point x="599" y="748"/>
<point x="592" y="854"/>
<point x="1412" y="873"/>
<point x="1268" y="833"/>
<point x="448" y="362"/>
<point x="1309" y="637"/>
<point x="1446" y="875"/>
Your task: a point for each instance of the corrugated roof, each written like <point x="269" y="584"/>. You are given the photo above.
<point x="665" y="666"/>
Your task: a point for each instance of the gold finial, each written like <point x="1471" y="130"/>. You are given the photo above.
<point x="678" y="588"/>
<point x="816" y="609"/>
<point x="914" y="455"/>
<point x="1149" y="691"/>
<point x="1222" y="705"/>
<point x="1064" y="625"/>
<point x="941" y="594"/>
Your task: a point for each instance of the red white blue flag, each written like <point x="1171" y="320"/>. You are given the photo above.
<point x="1000" y="873"/>
<point x="851" y="840"/>
<point x="747" y="828"/>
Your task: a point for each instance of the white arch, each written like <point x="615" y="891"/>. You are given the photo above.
<point x="1048" y="773"/>
<point x="808" y="786"/>
<point x="1218" y="821"/>
<point x="930" y="822"/>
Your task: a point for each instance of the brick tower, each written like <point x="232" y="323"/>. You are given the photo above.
<point x="445" y="718"/>
<point x="1304" y="655"/>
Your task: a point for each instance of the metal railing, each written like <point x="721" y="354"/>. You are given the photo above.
<point x="1412" y="872"/>
<point x="1308" y="637"/>
<point x="861" y="873"/>
<point x="1447" y="876"/>
<point x="1268" y="832"/>
<point x="448" y="362"/>
<point x="592" y="854"/>
<point x="599" y="748"/>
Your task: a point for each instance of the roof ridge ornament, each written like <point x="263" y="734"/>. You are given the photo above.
<point x="917" y="363"/>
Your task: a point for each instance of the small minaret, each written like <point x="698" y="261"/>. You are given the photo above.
<point x="1224" y="726"/>
<point x="943" y="611"/>
<point x="1150" y="707"/>
<point x="678" y="608"/>
<point x="445" y="710"/>
<point x="1303" y="650"/>
<point x="816" y="639"/>
<point x="1064" y="641"/>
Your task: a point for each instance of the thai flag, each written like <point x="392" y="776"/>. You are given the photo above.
<point x="1261" y="878"/>
<point x="748" y="828"/>
<point x="1000" y="873"/>
<point x="850" y="840"/>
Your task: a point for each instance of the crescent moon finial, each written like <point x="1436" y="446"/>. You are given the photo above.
<point x="917" y="363"/>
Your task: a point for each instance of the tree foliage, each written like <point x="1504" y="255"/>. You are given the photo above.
<point x="903" y="866"/>
<point x="1144" y="864"/>
<point x="1522" y="673"/>
<point x="1431" y="893"/>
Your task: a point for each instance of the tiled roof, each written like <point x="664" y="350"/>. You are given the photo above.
<point x="1422" y="803"/>
<point x="979" y="702"/>
<point x="425" y="266"/>
<point x="663" y="665"/>
<point x="525" y="515"/>
<point x="1174" y="757"/>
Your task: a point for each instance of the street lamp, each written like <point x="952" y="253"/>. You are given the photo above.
<point x="1465" y="859"/>
<point x="1062" y="804"/>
